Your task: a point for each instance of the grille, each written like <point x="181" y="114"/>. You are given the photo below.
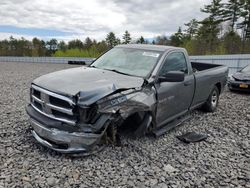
<point x="52" y="105"/>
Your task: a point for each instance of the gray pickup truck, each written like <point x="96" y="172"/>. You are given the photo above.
<point x="140" y="88"/>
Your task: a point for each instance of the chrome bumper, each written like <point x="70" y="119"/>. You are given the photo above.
<point x="62" y="141"/>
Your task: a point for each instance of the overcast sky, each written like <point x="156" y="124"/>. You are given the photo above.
<point x="70" y="19"/>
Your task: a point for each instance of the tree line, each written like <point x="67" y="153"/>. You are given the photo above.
<point x="225" y="30"/>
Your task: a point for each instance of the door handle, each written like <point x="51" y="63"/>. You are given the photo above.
<point x="187" y="83"/>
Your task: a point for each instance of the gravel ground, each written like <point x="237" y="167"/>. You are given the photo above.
<point x="221" y="161"/>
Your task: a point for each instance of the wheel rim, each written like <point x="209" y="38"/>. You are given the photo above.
<point x="214" y="99"/>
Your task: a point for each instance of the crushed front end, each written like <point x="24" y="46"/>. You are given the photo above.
<point x="72" y="125"/>
<point x="57" y="124"/>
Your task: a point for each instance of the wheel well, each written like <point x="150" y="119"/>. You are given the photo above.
<point x="137" y="124"/>
<point x="218" y="85"/>
<point x="132" y="122"/>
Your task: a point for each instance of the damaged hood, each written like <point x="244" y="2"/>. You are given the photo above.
<point x="242" y="76"/>
<point x="91" y="84"/>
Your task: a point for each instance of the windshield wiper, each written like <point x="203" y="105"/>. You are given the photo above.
<point x="114" y="70"/>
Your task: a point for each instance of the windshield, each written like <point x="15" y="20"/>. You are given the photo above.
<point x="246" y="70"/>
<point x="128" y="61"/>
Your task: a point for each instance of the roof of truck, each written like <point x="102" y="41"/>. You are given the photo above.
<point x="149" y="47"/>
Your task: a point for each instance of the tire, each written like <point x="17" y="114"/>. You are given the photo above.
<point x="212" y="101"/>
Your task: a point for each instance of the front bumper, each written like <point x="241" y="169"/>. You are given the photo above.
<point x="235" y="85"/>
<point x="46" y="131"/>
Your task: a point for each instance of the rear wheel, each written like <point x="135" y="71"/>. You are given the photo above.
<point x="212" y="102"/>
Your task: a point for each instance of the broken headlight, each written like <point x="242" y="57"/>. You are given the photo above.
<point x="88" y="114"/>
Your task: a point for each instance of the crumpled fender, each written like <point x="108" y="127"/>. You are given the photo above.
<point x="130" y="101"/>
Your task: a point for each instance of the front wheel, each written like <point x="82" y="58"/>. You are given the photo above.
<point x="212" y="102"/>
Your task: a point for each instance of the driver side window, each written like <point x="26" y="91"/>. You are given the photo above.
<point x="175" y="61"/>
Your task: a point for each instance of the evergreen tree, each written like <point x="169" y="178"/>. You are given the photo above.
<point x="51" y="46"/>
<point x="141" y="40"/>
<point x="73" y="44"/>
<point x="13" y="46"/>
<point x="162" y="40"/>
<point x="208" y="36"/>
<point x="88" y="43"/>
<point x="192" y="28"/>
<point x="126" y="38"/>
<point x="4" y="47"/>
<point x="102" y="46"/>
<point x="24" y="47"/>
<point x="117" y="41"/>
<point x="232" y="12"/>
<point x="210" y="28"/>
<point x="231" y="42"/>
<point x="177" y="38"/>
<point x="111" y="40"/>
<point x="62" y="46"/>
<point x="215" y="11"/>
<point x="38" y="47"/>
<point x="244" y="25"/>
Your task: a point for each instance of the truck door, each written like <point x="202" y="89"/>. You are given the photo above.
<point x="174" y="98"/>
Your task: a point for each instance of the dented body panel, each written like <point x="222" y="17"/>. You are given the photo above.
<point x="73" y="110"/>
<point x="104" y="82"/>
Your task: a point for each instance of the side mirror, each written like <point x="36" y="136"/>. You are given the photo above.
<point x="172" y="76"/>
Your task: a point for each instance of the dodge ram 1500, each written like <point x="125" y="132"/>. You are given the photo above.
<point x="144" y="88"/>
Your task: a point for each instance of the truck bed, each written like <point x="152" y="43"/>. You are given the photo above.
<point x="206" y="76"/>
<point x="203" y="66"/>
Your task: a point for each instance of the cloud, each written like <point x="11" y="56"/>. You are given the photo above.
<point x="96" y="18"/>
<point x="6" y="35"/>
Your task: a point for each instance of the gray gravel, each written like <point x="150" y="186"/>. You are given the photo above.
<point x="221" y="161"/>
